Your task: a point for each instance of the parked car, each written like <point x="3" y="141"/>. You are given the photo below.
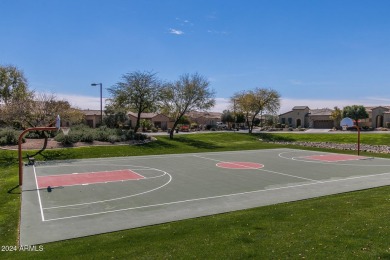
<point x="221" y="126"/>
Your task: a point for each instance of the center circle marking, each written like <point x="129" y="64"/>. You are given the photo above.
<point x="240" y="165"/>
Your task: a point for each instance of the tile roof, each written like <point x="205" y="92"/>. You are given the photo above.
<point x="299" y="107"/>
<point x="89" y="112"/>
<point x="143" y="115"/>
<point x="321" y="112"/>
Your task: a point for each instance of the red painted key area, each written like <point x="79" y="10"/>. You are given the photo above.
<point x="86" y="178"/>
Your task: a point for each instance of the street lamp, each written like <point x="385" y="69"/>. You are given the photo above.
<point x="234" y="111"/>
<point x="101" y="100"/>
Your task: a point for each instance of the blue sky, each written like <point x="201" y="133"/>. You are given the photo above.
<point x="320" y="53"/>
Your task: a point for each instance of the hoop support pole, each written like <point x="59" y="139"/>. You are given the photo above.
<point x="20" y="147"/>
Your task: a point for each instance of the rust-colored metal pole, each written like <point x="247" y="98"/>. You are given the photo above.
<point x="20" y="147"/>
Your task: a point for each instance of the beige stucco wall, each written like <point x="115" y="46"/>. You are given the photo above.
<point x="295" y="115"/>
<point x="378" y="117"/>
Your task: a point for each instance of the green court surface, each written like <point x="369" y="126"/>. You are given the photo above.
<point x="94" y="196"/>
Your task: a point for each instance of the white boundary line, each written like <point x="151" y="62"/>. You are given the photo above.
<point x="241" y="165"/>
<point x="345" y="160"/>
<point x="39" y="195"/>
<point x="332" y="163"/>
<point x="216" y="197"/>
<point x="211" y="153"/>
<point x="119" y="198"/>
<point x="142" y="157"/>
<point x="260" y="169"/>
<point x="61" y="174"/>
<point x="133" y="170"/>
<point x="100" y="182"/>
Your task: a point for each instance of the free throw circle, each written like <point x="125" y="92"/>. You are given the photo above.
<point x="240" y="165"/>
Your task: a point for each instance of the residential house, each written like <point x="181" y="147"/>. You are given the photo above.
<point x="298" y="117"/>
<point x="378" y="116"/>
<point x="303" y="116"/>
<point x="159" y="120"/>
<point x="320" y="118"/>
<point x="204" y="118"/>
<point x="92" y="117"/>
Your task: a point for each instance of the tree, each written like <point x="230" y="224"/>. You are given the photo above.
<point x="355" y="112"/>
<point x="188" y="93"/>
<point x="336" y="116"/>
<point x="227" y="117"/>
<point x="13" y="85"/>
<point x="115" y="118"/>
<point x="45" y="108"/>
<point x="240" y="119"/>
<point x="138" y="92"/>
<point x="254" y="102"/>
<point x="14" y="95"/>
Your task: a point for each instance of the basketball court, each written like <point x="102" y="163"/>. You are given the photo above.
<point x="76" y="198"/>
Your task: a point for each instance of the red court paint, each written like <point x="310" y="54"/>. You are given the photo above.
<point x="240" y="165"/>
<point x="86" y="178"/>
<point x="334" y="157"/>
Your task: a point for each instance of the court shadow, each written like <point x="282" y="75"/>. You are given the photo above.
<point x="14" y="190"/>
<point x="45" y="189"/>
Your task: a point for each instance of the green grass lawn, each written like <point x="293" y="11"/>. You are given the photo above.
<point x="346" y="226"/>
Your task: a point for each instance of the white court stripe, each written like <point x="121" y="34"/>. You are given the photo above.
<point x="216" y="197"/>
<point x="260" y="169"/>
<point x="120" y="198"/>
<point x="39" y="195"/>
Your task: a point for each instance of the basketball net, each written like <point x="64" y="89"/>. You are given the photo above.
<point x="65" y="130"/>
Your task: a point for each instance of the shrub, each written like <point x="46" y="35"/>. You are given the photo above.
<point x="129" y="134"/>
<point x="87" y="137"/>
<point x="103" y="133"/>
<point x="34" y="135"/>
<point x="140" y="137"/>
<point x="3" y="140"/>
<point x="9" y="136"/>
<point x="113" y="138"/>
<point x="69" y="139"/>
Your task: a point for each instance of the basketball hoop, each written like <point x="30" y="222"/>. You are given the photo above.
<point x="346" y="122"/>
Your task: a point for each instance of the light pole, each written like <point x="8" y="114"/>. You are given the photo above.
<point x="234" y="111"/>
<point x="101" y="100"/>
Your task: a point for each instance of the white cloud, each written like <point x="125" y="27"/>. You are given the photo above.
<point x="221" y="105"/>
<point x="218" y="32"/>
<point x="82" y="102"/>
<point x="176" y="32"/>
